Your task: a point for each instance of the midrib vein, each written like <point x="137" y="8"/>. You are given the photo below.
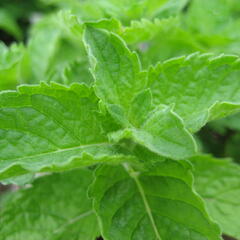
<point x="72" y="221"/>
<point x="58" y="151"/>
<point x="134" y="176"/>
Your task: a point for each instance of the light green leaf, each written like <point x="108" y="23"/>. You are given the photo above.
<point x="163" y="132"/>
<point x="77" y="71"/>
<point x="10" y="58"/>
<point x="201" y="87"/>
<point x="213" y="24"/>
<point x="216" y="19"/>
<point x="116" y="70"/>
<point x="55" y="207"/>
<point x="145" y="30"/>
<point x="118" y="114"/>
<point x="60" y="35"/>
<point x="140" y="108"/>
<point x="218" y="182"/>
<point x="49" y="128"/>
<point x="109" y="24"/>
<point x="9" y="55"/>
<point x="156" y="204"/>
<point x="160" y="39"/>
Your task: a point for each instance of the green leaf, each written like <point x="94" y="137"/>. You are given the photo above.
<point x="55" y="207"/>
<point x="160" y="39"/>
<point x="163" y="132"/>
<point x="140" y="108"/>
<point x="201" y="87"/>
<point x="217" y="19"/>
<point x="86" y="10"/>
<point x="109" y="24"/>
<point x="60" y="35"/>
<point x="49" y="128"/>
<point x="218" y="182"/>
<point x="213" y="24"/>
<point x="119" y="83"/>
<point x="10" y="58"/>
<point x="145" y="30"/>
<point x="124" y="10"/>
<point x="117" y="71"/>
<point x="9" y="55"/>
<point x="76" y="71"/>
<point x="155" y="204"/>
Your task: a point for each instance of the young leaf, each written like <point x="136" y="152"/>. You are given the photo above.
<point x="201" y="87"/>
<point x="156" y="204"/>
<point x="116" y="70"/>
<point x="218" y="182"/>
<point x="140" y="108"/>
<point x="119" y="83"/>
<point x="109" y="24"/>
<point x="55" y="207"/>
<point x="49" y="128"/>
<point x="163" y="132"/>
<point x="77" y="71"/>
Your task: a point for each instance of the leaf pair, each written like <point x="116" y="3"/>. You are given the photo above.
<point x="122" y="86"/>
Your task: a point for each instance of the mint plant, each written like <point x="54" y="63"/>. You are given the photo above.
<point x="103" y="143"/>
